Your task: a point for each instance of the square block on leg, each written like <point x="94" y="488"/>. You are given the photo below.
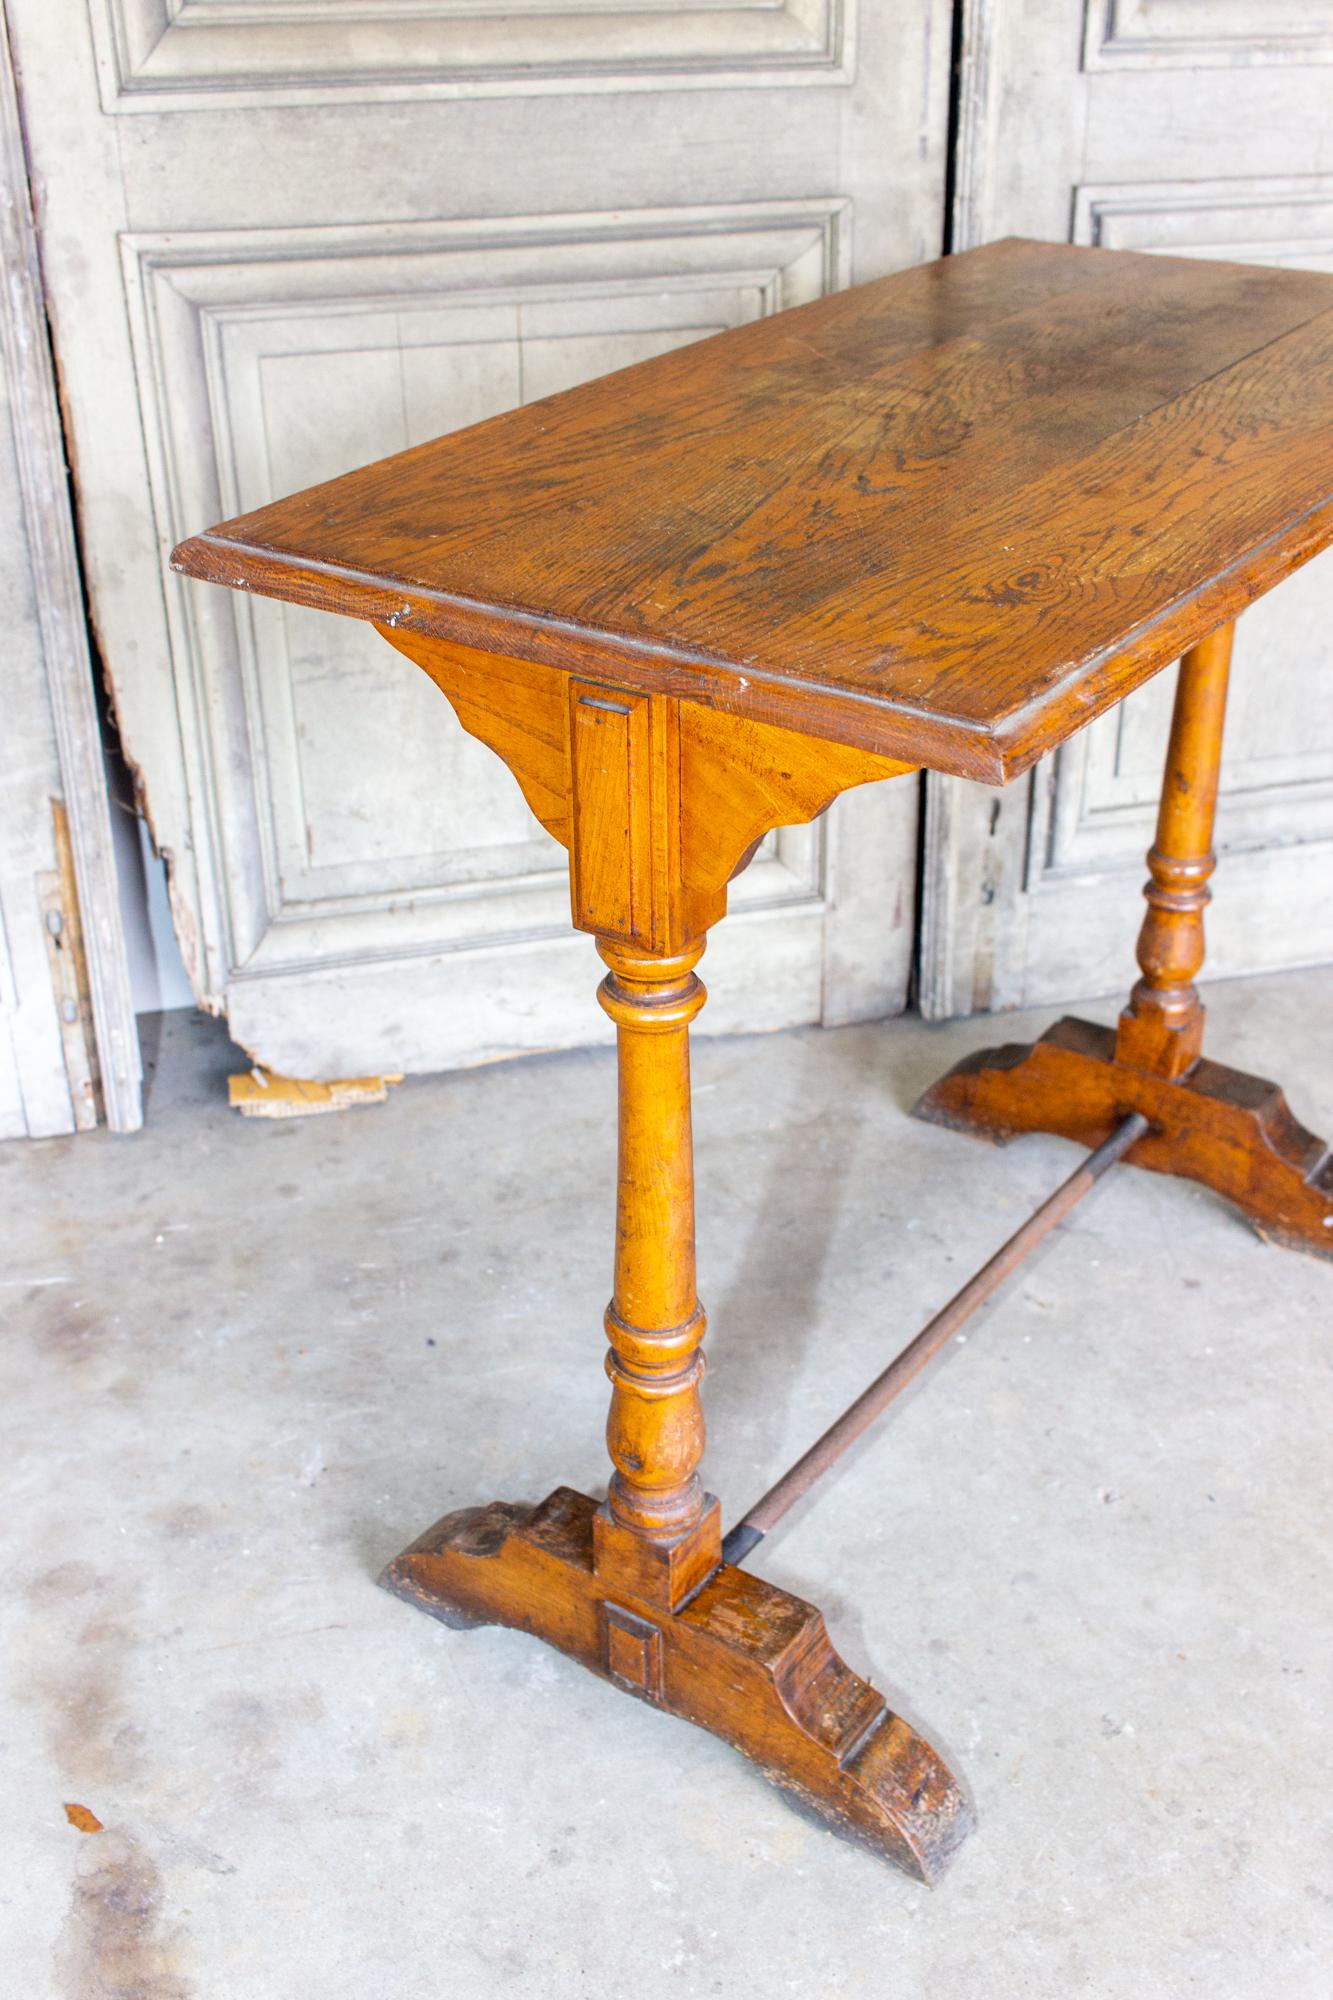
<point x="664" y="1573"/>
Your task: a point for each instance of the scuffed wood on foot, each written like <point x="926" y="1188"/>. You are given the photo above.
<point x="743" y="1659"/>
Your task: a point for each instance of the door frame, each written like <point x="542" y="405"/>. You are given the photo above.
<point x="974" y="838"/>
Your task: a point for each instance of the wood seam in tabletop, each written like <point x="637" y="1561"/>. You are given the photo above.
<point x="992" y="747"/>
<point x="978" y="334"/>
<point x="867" y="398"/>
<point x="439" y="592"/>
<point x="780" y="325"/>
<point x="1009" y="729"/>
<point x="980" y="339"/>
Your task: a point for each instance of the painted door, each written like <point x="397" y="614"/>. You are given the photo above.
<point x="36" y="1098"/>
<point x="69" y="1050"/>
<point x="282" y="240"/>
<point x="1201" y="128"/>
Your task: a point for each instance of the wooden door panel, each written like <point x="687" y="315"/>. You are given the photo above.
<point x="156" y="55"/>
<point x="1182" y="133"/>
<point x="1191" y="34"/>
<point x="67" y="1030"/>
<point x="304" y="352"/>
<point x="35" y="1097"/>
<point x="286" y="236"/>
<point x="1276" y="219"/>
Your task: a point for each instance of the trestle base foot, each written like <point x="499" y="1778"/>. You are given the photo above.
<point x="741" y="1658"/>
<point x="1232" y="1132"/>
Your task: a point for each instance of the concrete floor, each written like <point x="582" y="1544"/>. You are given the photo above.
<point x="246" y="1362"/>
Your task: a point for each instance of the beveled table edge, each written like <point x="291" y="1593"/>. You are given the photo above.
<point x="958" y="746"/>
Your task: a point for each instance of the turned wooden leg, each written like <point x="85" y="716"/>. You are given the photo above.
<point x="657" y="1532"/>
<point x="1162" y="1028"/>
<point x="636" y="1588"/>
<point x="1231" y="1131"/>
<point x="659" y="804"/>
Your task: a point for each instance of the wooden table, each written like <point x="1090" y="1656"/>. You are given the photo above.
<point x="942" y="520"/>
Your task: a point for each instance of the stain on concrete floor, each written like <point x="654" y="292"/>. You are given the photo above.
<point x="114" y="1941"/>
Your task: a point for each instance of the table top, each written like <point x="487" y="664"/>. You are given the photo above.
<point x="949" y="516"/>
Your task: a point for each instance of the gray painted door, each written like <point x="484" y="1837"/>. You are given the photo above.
<point x="282" y="240"/>
<point x="1203" y="128"/>
<point x="36" y="1100"/>
<point x="68" y="1042"/>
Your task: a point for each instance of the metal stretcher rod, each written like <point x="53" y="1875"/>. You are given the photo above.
<point x="858" y="1416"/>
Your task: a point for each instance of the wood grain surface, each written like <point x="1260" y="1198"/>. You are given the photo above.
<point x="948" y="516"/>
